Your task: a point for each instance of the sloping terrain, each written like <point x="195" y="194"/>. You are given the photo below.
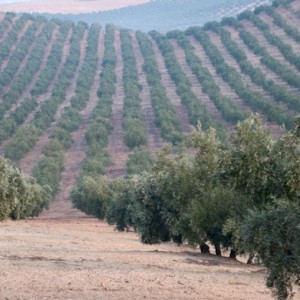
<point x="161" y="15"/>
<point x="72" y="99"/>
<point x="171" y="101"/>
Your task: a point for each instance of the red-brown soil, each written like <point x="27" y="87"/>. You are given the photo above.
<point x="68" y="6"/>
<point x="170" y="88"/>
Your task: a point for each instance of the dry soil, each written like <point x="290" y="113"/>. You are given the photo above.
<point x="66" y="255"/>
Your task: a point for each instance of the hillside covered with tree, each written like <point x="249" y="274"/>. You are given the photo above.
<point x="84" y="110"/>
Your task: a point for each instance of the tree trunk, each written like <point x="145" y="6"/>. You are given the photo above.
<point x="218" y="249"/>
<point x="250" y="259"/>
<point x="204" y="248"/>
<point x="232" y="254"/>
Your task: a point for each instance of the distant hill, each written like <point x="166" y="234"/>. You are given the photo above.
<point x="165" y="15"/>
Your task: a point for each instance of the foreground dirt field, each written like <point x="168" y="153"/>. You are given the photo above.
<point x="66" y="255"/>
<point x="68" y="6"/>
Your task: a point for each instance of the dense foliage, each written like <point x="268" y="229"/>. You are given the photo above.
<point x="20" y="197"/>
<point x="223" y="195"/>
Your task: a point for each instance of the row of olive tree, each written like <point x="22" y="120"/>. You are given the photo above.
<point x="133" y="118"/>
<point x="273" y="111"/>
<point x="48" y="170"/>
<point x="20" y="82"/>
<point x="20" y="197"/>
<point x="252" y="43"/>
<point x="12" y="37"/>
<point x="6" y="23"/>
<point x="26" y="137"/>
<point x="48" y="73"/>
<point x="20" y="52"/>
<point x="165" y="116"/>
<point x="229" y="110"/>
<point x="97" y="157"/>
<point x="243" y="196"/>
<point x="278" y="92"/>
<point x="196" y="109"/>
<point x="9" y="125"/>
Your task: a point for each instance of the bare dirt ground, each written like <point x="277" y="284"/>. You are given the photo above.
<point x="68" y="6"/>
<point x="76" y="257"/>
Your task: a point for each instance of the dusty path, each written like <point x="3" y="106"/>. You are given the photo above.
<point x="28" y="161"/>
<point x="83" y="258"/>
<point x="155" y="140"/>
<point x="170" y="88"/>
<point x="196" y="86"/>
<point x="118" y="150"/>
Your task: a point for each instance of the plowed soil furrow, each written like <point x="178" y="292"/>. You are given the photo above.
<point x="155" y="140"/>
<point x="170" y="87"/>
<point x="289" y="17"/>
<point x="61" y="208"/>
<point x="15" y="45"/>
<point x="255" y="60"/>
<point x="25" y="60"/>
<point x="272" y="50"/>
<point x="196" y="86"/>
<point x="43" y="97"/>
<point x="225" y="88"/>
<point x="276" y="130"/>
<point x="26" y="93"/>
<point x="28" y="161"/>
<point x="118" y="150"/>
